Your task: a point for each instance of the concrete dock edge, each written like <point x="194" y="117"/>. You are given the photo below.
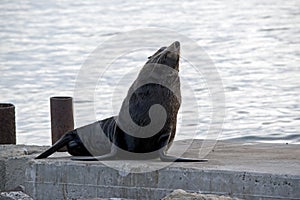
<point x="247" y="171"/>
<point x="79" y="180"/>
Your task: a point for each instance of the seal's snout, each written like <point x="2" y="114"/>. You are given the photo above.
<point x="172" y="55"/>
<point x="174" y="47"/>
<point x="176" y="44"/>
<point x="167" y="56"/>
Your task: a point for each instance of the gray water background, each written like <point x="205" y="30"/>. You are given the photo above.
<point x="255" y="45"/>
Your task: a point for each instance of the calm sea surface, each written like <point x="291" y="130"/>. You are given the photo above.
<point x="255" y="45"/>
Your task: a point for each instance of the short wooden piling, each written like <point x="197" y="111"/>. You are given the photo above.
<point x="7" y="124"/>
<point x="62" y="120"/>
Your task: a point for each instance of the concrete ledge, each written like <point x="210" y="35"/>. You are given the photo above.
<point x="13" y="163"/>
<point x="248" y="171"/>
<point x="59" y="179"/>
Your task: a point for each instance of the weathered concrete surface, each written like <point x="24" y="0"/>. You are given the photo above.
<point x="180" y="195"/>
<point x="13" y="163"/>
<point x="248" y="171"/>
<point x="14" y="195"/>
<point x="183" y="195"/>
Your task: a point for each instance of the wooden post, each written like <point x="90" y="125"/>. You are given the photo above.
<point x="7" y="124"/>
<point x="62" y="120"/>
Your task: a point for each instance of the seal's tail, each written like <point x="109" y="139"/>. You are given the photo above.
<point x="59" y="144"/>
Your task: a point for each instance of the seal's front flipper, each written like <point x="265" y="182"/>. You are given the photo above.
<point x="165" y="158"/>
<point x="164" y="141"/>
<point x="63" y="141"/>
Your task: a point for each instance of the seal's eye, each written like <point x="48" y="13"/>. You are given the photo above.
<point x="156" y="53"/>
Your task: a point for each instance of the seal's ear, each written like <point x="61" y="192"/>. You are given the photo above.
<point x="159" y="50"/>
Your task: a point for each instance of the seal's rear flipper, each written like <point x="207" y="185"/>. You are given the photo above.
<point x="63" y="141"/>
<point x="110" y="156"/>
<point x="165" y="158"/>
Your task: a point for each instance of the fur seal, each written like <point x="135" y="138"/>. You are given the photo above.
<point x="142" y="130"/>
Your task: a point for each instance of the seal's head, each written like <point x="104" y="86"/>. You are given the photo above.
<point x="168" y="56"/>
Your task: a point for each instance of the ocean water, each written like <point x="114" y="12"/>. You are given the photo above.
<point x="254" y="45"/>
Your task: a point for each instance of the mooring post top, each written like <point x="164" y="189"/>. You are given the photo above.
<point x="6" y="105"/>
